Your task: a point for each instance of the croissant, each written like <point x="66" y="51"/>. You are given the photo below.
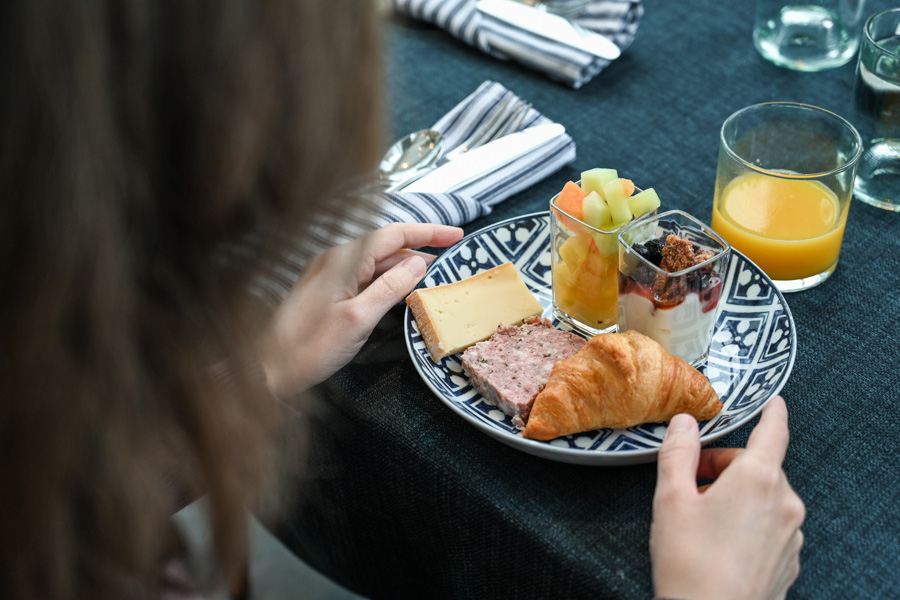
<point x="619" y="380"/>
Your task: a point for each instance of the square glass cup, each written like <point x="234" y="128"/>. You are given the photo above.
<point x="584" y="261"/>
<point x="677" y="309"/>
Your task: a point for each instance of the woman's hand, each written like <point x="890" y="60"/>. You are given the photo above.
<point x="340" y="297"/>
<point x="738" y="537"/>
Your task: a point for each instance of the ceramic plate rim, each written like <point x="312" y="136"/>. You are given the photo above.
<point x="589" y="457"/>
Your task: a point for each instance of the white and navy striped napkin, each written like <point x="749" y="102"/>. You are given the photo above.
<point x="374" y="208"/>
<point x="616" y="19"/>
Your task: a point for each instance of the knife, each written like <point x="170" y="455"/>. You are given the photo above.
<point x="550" y="26"/>
<point x="485" y="159"/>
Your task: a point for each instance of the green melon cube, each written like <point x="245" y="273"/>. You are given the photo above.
<point x="607" y="243"/>
<point x="596" y="212"/>
<point x="643" y="202"/>
<point x="614" y="192"/>
<point x="595" y="179"/>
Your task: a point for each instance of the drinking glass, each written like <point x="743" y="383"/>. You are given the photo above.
<point x="783" y="187"/>
<point x="877" y="103"/>
<point x="808" y="36"/>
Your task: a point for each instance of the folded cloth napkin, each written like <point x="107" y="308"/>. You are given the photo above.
<point x="616" y="19"/>
<point x="374" y="208"/>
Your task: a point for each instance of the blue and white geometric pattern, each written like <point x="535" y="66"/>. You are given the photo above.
<point x="751" y="357"/>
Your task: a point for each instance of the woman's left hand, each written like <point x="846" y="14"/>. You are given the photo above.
<point x="340" y="297"/>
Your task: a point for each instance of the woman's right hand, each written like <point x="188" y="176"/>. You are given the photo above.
<point x="740" y="536"/>
<point x="341" y="296"/>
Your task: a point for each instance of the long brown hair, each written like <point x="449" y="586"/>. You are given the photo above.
<point x="150" y="154"/>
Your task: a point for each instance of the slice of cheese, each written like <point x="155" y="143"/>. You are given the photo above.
<point x="454" y="316"/>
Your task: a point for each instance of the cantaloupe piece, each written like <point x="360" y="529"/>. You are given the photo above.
<point x="570" y="200"/>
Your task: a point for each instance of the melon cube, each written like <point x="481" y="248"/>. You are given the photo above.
<point x="575" y="250"/>
<point x="607" y="243"/>
<point x="595" y="179"/>
<point x="569" y="199"/>
<point x="563" y="277"/>
<point x="596" y="212"/>
<point x="614" y="192"/>
<point x="643" y="202"/>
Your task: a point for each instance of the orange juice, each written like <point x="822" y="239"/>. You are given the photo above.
<point x="791" y="228"/>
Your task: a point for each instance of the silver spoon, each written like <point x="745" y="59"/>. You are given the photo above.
<point x="408" y="156"/>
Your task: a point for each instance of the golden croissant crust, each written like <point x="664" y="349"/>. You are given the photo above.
<point x="619" y="380"/>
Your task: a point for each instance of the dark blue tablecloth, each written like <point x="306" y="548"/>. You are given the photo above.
<point x="407" y="500"/>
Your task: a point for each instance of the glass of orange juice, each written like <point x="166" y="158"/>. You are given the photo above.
<point x="783" y="187"/>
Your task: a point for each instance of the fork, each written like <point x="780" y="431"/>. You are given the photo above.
<point x="505" y="120"/>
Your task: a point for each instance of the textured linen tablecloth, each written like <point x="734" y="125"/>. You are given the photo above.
<point x="407" y="500"/>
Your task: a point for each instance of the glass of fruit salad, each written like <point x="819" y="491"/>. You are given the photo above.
<point x="585" y="220"/>
<point x="671" y="274"/>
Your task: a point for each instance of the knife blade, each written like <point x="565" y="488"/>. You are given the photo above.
<point x="550" y="26"/>
<point x="485" y="159"/>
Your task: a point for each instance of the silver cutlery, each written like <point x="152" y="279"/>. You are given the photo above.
<point x="541" y="22"/>
<point x="507" y="119"/>
<point x="485" y="159"/>
<point x="409" y="155"/>
<point x="567" y="9"/>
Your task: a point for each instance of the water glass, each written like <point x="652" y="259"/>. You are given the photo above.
<point x="814" y="36"/>
<point x="783" y="186"/>
<point x="877" y="104"/>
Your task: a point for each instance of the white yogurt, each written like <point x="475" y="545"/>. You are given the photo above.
<point x="683" y="330"/>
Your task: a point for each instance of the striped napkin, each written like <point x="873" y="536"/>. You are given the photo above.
<point x="616" y="19"/>
<point x="374" y="208"/>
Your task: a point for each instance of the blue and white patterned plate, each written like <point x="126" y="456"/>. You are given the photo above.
<point x="751" y="357"/>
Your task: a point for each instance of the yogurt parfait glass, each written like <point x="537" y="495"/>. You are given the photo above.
<point x="671" y="271"/>
<point x="584" y="262"/>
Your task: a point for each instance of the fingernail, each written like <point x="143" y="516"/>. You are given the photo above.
<point x="682" y="422"/>
<point x="415" y="265"/>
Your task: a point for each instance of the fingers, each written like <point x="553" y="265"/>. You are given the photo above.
<point x="389" y="239"/>
<point x="446" y="236"/>
<point x="713" y="461"/>
<point x="390" y="288"/>
<point x="678" y="458"/>
<point x="398" y="257"/>
<point x="390" y="245"/>
<point x="769" y="439"/>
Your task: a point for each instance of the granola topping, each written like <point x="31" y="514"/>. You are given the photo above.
<point x="674" y="255"/>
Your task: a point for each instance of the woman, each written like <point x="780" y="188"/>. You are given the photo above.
<point x="155" y="157"/>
